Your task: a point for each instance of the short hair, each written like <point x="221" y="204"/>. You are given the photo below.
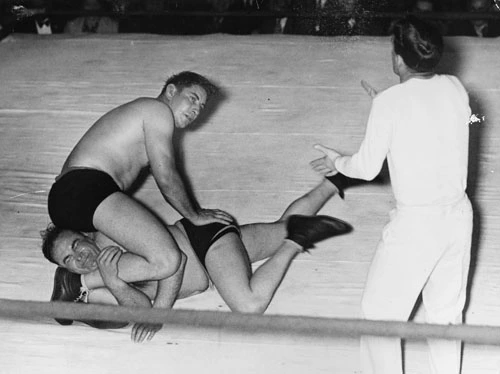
<point x="49" y="237"/>
<point x="187" y="79"/>
<point x="419" y="43"/>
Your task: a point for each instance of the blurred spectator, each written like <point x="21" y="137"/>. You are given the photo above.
<point x="93" y="23"/>
<point x="7" y="18"/>
<point x="243" y="25"/>
<point x="164" y="23"/>
<point x="340" y="25"/>
<point x="359" y="21"/>
<point x="424" y="6"/>
<point x="302" y="25"/>
<point x="26" y="17"/>
<point x="477" y="27"/>
<point x="281" y="6"/>
<point x="129" y="23"/>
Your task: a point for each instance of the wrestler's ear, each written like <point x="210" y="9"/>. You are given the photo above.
<point x="170" y="91"/>
<point x="90" y="235"/>
<point x="400" y="63"/>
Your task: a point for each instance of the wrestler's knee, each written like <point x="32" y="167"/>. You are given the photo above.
<point x="168" y="264"/>
<point x="253" y="305"/>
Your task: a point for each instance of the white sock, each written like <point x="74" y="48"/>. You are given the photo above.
<point x="297" y="245"/>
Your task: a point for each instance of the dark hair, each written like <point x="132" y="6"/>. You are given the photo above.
<point x="187" y="79"/>
<point x="419" y="43"/>
<point x="49" y="236"/>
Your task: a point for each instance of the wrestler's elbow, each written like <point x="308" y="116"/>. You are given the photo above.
<point x="367" y="174"/>
<point x="371" y="176"/>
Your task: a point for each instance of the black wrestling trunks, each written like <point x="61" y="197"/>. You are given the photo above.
<point x="202" y="237"/>
<point x="74" y="198"/>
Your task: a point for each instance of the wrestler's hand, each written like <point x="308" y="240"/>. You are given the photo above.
<point x="144" y="331"/>
<point x="107" y="262"/>
<point x="369" y="89"/>
<point x="325" y="165"/>
<point x="206" y="216"/>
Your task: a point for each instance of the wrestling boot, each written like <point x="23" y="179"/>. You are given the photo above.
<point x="67" y="287"/>
<point x="307" y="230"/>
<point x="342" y="182"/>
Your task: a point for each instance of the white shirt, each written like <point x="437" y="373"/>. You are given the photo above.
<point x="421" y="127"/>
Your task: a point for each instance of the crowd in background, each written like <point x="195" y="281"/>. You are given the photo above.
<point x="318" y="17"/>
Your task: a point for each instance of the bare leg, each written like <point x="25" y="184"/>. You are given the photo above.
<point x="229" y="268"/>
<point x="263" y="239"/>
<point x="133" y="227"/>
<point x="310" y="203"/>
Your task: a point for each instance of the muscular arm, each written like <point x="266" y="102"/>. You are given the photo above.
<point x="167" y="292"/>
<point x="121" y="290"/>
<point x="122" y="294"/>
<point x="166" y="295"/>
<point x="158" y="132"/>
<point x="117" y="291"/>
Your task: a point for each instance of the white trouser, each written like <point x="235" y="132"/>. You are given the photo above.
<point x="422" y="250"/>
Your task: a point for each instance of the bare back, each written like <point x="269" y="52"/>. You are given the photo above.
<point x="116" y="143"/>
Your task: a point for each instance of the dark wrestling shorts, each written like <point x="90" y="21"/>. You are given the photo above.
<point x="202" y="237"/>
<point x="74" y="198"/>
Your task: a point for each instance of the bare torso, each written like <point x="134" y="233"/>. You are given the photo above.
<point x="115" y="144"/>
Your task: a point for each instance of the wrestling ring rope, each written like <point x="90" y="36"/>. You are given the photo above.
<point x="251" y="326"/>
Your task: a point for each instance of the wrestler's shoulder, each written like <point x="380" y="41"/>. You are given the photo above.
<point x="149" y="103"/>
<point x="455" y="81"/>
